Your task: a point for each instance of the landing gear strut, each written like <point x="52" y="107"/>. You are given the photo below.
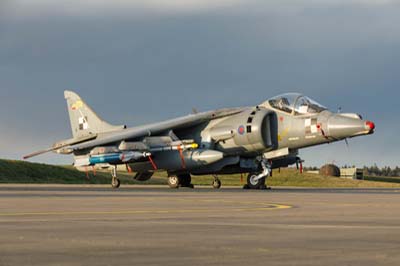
<point x="176" y="181"/>
<point x="216" y="183"/>
<point x="257" y="181"/>
<point x="115" y="182"/>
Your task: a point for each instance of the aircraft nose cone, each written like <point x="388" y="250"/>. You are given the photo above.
<point x="342" y="126"/>
<point x="370" y="125"/>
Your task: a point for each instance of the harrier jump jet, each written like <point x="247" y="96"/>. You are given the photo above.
<point x="252" y="140"/>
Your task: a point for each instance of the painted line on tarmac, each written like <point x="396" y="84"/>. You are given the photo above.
<point x="265" y="207"/>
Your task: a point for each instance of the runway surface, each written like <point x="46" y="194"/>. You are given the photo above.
<point x="141" y="225"/>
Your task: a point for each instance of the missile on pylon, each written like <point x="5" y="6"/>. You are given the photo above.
<point x="112" y="158"/>
<point x="118" y="158"/>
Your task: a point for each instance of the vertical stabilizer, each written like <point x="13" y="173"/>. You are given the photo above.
<point x="84" y="121"/>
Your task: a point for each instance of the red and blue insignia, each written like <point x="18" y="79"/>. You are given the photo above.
<point x="241" y="130"/>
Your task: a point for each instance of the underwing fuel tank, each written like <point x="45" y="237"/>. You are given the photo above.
<point x="192" y="159"/>
<point x="172" y="160"/>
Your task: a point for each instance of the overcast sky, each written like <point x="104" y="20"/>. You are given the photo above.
<point x="136" y="62"/>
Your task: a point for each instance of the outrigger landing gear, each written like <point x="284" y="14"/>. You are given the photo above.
<point x="257" y="181"/>
<point x="176" y="181"/>
<point x="216" y="183"/>
<point x="115" y="182"/>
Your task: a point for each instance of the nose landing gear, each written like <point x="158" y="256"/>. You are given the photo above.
<point x="257" y="181"/>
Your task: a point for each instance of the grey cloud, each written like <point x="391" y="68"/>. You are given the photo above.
<point x="79" y="8"/>
<point x="104" y="7"/>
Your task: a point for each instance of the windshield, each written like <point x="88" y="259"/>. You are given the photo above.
<point x="301" y="105"/>
<point x="305" y="105"/>
<point x="284" y="102"/>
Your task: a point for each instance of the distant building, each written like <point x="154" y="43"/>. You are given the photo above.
<point x="352" y="173"/>
<point x="314" y="172"/>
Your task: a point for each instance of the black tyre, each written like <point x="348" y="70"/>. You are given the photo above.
<point x="252" y="183"/>
<point x="115" y="183"/>
<point x="173" y="181"/>
<point x="217" y="184"/>
<point x="185" y="180"/>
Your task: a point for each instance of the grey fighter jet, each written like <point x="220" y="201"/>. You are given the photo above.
<point x="252" y="140"/>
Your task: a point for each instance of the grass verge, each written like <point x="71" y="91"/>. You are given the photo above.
<point x="25" y="172"/>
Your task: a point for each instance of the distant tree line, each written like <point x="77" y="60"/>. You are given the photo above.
<point x="386" y="171"/>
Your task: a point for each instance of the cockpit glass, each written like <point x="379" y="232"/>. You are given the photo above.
<point x="297" y="103"/>
<point x="305" y="105"/>
<point x="284" y="102"/>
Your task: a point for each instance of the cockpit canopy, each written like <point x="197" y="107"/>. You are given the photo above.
<point x="296" y="103"/>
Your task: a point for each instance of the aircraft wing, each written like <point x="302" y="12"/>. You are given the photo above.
<point x="155" y="129"/>
<point x="62" y="144"/>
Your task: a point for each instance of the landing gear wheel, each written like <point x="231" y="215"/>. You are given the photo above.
<point x="253" y="183"/>
<point x="173" y="181"/>
<point x="216" y="184"/>
<point x="115" y="183"/>
<point x="185" y="180"/>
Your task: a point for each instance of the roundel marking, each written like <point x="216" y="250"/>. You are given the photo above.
<point x="241" y="130"/>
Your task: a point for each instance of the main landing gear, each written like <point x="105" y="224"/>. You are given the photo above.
<point x="257" y="180"/>
<point x="183" y="180"/>
<point x="115" y="182"/>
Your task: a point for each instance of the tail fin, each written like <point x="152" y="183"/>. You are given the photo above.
<point x="84" y="121"/>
